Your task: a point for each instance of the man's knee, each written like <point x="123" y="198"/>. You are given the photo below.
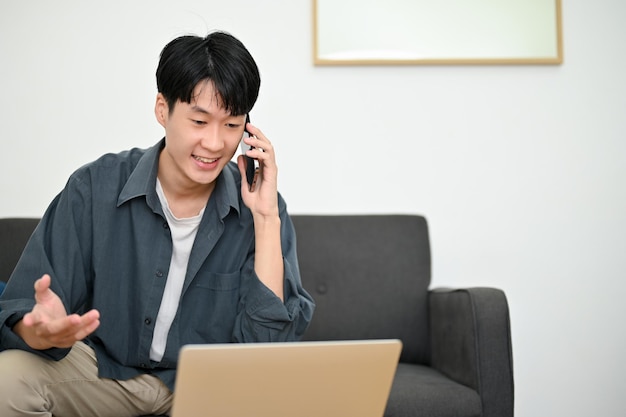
<point x="21" y="382"/>
<point x="18" y="367"/>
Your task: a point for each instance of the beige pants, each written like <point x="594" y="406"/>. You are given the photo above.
<point x="34" y="386"/>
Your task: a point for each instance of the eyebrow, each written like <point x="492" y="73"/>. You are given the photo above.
<point x="199" y="109"/>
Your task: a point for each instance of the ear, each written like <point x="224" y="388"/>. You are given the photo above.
<point x="161" y="109"/>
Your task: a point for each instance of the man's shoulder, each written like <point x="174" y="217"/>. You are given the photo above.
<point x="111" y="164"/>
<point x="128" y="157"/>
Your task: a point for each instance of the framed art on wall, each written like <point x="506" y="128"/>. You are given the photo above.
<point x="395" y="32"/>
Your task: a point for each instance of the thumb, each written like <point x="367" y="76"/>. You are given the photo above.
<point x="42" y="289"/>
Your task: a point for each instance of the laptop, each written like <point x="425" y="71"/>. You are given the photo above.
<point x="295" y="379"/>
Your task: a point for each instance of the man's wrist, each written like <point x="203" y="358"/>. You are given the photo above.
<point x="263" y="220"/>
<point x="28" y="335"/>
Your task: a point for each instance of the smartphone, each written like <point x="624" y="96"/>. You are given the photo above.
<point x="252" y="165"/>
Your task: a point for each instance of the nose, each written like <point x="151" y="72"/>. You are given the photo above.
<point x="212" y="139"/>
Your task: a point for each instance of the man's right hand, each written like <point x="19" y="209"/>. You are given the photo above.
<point x="49" y="326"/>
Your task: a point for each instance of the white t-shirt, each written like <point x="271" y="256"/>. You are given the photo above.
<point x="183" y="235"/>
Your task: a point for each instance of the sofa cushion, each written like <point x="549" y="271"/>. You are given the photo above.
<point x="422" y="391"/>
<point x="369" y="276"/>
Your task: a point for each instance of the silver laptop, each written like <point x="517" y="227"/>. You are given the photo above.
<point x="295" y="379"/>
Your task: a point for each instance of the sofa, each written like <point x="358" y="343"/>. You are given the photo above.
<point x="370" y="276"/>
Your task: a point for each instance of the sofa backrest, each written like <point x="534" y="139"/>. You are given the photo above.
<point x="14" y="233"/>
<point x="369" y="276"/>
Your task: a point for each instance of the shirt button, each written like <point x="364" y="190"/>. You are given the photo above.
<point x="148" y="320"/>
<point x="159" y="273"/>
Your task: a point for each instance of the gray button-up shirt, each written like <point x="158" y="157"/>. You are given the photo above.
<point x="106" y="244"/>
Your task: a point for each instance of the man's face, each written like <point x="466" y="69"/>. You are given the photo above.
<point x="200" y="138"/>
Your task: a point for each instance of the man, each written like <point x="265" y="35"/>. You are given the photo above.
<point x="148" y="250"/>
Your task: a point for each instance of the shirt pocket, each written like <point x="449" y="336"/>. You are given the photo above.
<point x="210" y="308"/>
<point x="218" y="281"/>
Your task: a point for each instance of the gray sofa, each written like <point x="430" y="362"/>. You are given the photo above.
<point x="370" y="277"/>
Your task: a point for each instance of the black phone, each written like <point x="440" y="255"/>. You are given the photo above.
<point x="252" y="165"/>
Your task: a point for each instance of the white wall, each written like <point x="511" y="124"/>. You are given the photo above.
<point x="520" y="170"/>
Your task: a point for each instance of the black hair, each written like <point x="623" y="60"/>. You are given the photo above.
<point x="219" y="58"/>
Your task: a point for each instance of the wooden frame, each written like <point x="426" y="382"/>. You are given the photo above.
<point x="332" y="23"/>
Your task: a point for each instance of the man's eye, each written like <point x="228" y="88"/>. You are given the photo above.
<point x="232" y="125"/>
<point x="198" y="122"/>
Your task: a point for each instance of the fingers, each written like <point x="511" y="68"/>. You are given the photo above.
<point x="31" y="319"/>
<point x="263" y="149"/>
<point x="48" y="325"/>
<point x="79" y="327"/>
<point x="42" y="287"/>
<point x="42" y="284"/>
<point x="74" y="323"/>
<point x="89" y="325"/>
<point x="43" y="293"/>
<point x="264" y="152"/>
<point x="65" y="332"/>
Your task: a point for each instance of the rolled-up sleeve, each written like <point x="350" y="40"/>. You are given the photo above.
<point x="264" y="317"/>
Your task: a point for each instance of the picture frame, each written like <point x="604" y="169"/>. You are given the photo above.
<point x="445" y="32"/>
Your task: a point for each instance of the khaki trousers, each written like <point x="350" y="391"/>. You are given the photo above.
<point x="34" y="386"/>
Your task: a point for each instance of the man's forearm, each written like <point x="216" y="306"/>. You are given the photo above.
<point x="268" y="260"/>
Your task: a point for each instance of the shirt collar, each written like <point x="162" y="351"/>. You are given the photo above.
<point x="227" y="190"/>
<point x="142" y="182"/>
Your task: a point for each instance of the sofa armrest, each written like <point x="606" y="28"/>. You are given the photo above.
<point x="471" y="343"/>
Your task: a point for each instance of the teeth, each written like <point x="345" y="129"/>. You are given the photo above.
<point x="204" y="160"/>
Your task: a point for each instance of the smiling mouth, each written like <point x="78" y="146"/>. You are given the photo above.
<point x="204" y="160"/>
